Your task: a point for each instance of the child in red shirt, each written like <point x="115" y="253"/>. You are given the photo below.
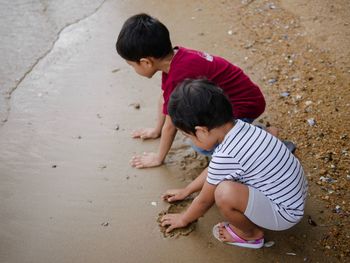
<point x="145" y="44"/>
<point x="245" y="95"/>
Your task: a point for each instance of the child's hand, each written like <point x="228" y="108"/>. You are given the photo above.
<point x="174" y="195"/>
<point x="172" y="221"/>
<point x="145" y="161"/>
<point x="146" y="133"/>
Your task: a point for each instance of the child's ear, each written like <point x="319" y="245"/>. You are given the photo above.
<point x="146" y="62"/>
<point x="201" y="130"/>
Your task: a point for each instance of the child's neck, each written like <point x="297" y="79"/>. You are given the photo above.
<point x="164" y="64"/>
<point x="223" y="130"/>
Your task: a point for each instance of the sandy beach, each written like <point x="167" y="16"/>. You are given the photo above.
<point x="67" y="191"/>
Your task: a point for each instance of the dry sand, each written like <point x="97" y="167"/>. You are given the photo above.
<point x="67" y="192"/>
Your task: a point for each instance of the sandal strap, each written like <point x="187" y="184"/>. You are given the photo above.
<point x="233" y="234"/>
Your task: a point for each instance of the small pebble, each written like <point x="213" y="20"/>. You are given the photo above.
<point x="135" y="105"/>
<point x="272" y="6"/>
<point x="327" y="179"/>
<point x="308" y="102"/>
<point x="105" y="224"/>
<point x="343" y="136"/>
<point x="271" y="81"/>
<point x="249" y="45"/>
<point x="311" y="122"/>
<point x="311" y="222"/>
<point x="291" y="254"/>
<point x="337" y="209"/>
<point x="285" y="94"/>
<point x="154" y="203"/>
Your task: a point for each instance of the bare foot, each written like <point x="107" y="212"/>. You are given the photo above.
<point x="145" y="133"/>
<point x="226" y="236"/>
<point x="146" y="160"/>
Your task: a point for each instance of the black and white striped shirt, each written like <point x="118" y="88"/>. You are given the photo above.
<point x="255" y="158"/>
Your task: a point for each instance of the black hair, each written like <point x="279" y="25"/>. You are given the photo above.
<point x="199" y="102"/>
<point x="143" y="36"/>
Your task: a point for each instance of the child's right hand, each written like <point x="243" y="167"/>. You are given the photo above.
<point x="146" y="133"/>
<point x="174" y="195"/>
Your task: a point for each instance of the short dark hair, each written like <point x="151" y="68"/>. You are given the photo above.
<point x="199" y="102"/>
<point x="143" y="36"/>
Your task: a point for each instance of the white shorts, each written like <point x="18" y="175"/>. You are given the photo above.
<point x="261" y="211"/>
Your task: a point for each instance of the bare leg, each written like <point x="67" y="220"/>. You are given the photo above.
<point x="232" y="199"/>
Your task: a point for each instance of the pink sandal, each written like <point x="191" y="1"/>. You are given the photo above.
<point x="257" y="243"/>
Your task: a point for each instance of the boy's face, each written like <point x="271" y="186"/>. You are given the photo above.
<point x="144" y="68"/>
<point x="203" y="138"/>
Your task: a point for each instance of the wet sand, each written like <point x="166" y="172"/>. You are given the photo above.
<point x="67" y="192"/>
<point x="28" y="31"/>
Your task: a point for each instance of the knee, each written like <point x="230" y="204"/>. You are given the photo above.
<point x="225" y="194"/>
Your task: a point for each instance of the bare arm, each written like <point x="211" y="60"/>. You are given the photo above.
<point x="167" y="138"/>
<point x="161" y="116"/>
<point x="152" y="133"/>
<point x="197" y="184"/>
<point x="199" y="206"/>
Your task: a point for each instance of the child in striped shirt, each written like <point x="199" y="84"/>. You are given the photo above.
<point x="252" y="177"/>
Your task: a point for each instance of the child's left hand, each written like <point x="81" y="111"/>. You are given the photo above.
<point x="175" y="195"/>
<point x="172" y="221"/>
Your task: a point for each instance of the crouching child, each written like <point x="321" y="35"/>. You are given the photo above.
<point x="254" y="180"/>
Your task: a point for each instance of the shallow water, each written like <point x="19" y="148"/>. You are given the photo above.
<point x="28" y="31"/>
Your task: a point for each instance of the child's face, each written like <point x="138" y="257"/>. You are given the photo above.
<point x="203" y="138"/>
<point x="144" y="68"/>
